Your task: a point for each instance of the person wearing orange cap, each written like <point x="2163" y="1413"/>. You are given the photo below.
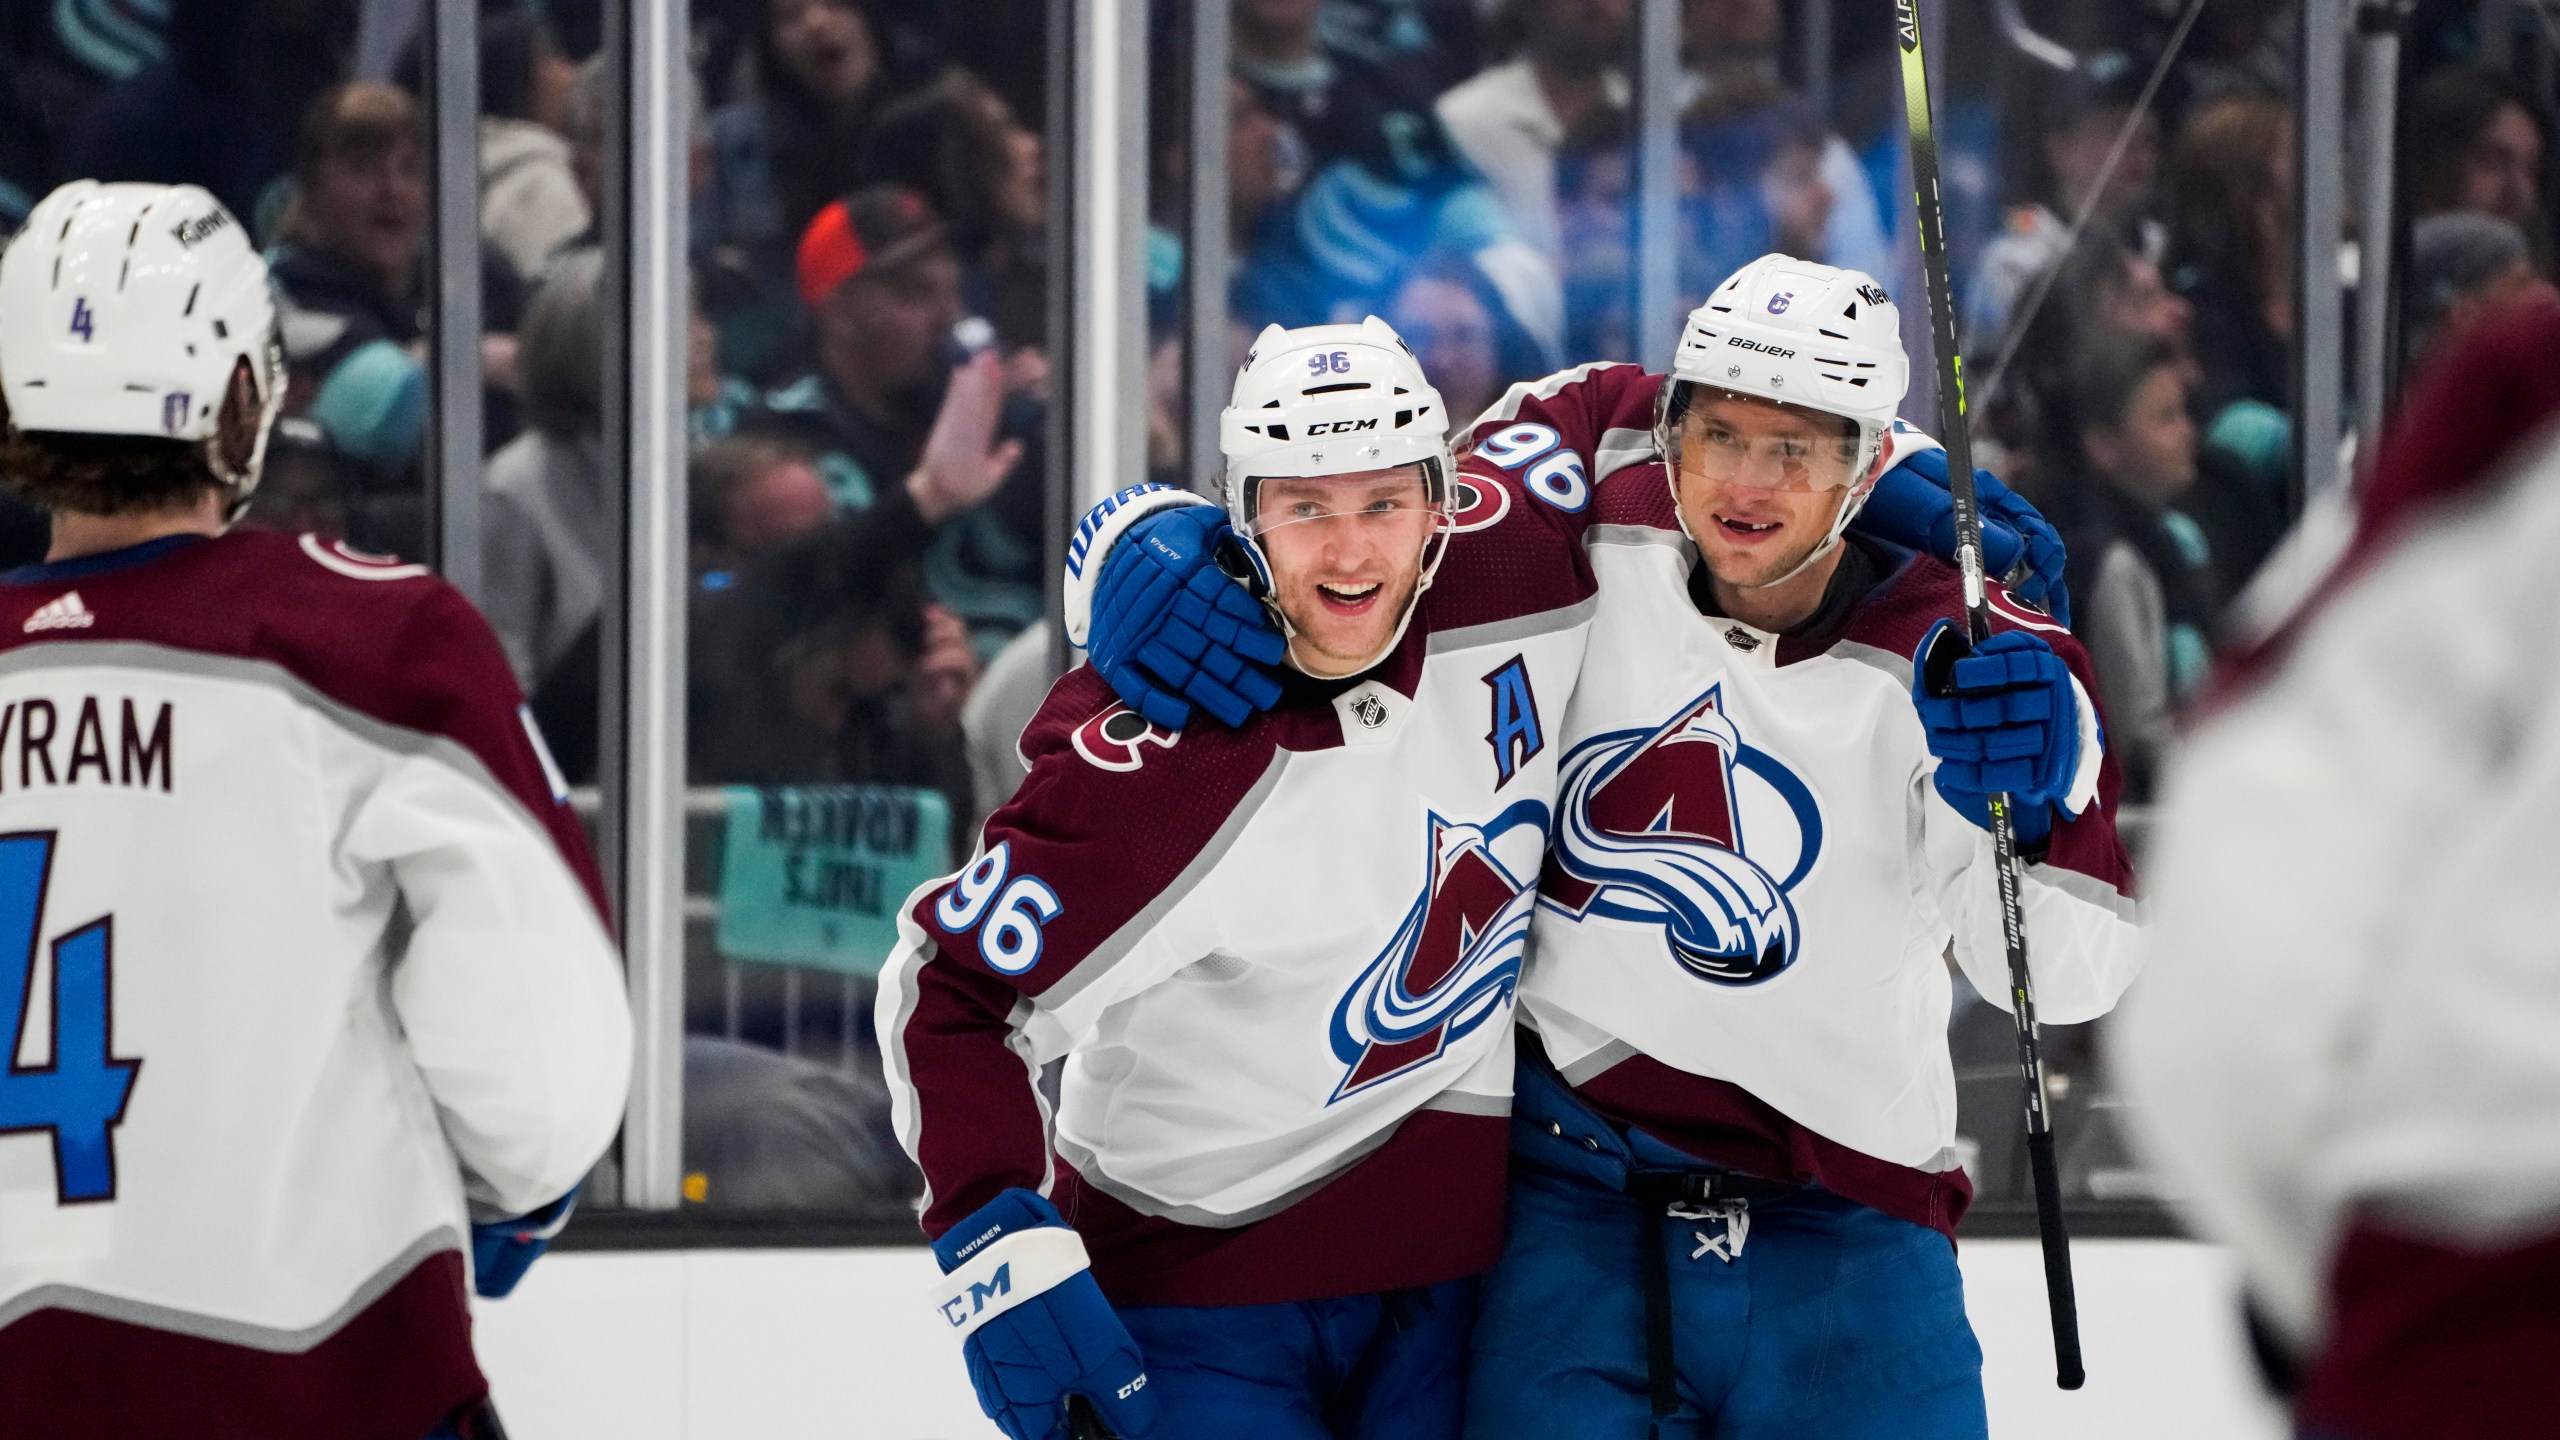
<point x="885" y="293"/>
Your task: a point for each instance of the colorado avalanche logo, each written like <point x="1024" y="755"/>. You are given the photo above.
<point x="1652" y="830"/>
<point x="1117" y="739"/>
<point x="1453" y="963"/>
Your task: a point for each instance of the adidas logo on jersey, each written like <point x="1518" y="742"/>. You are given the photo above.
<point x="63" y="612"/>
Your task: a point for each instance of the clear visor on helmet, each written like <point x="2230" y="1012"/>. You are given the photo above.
<point x="1390" y="508"/>
<point x="1763" y="445"/>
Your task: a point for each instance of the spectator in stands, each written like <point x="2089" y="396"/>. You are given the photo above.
<point x="2472" y="141"/>
<point x="1439" y="40"/>
<point x="826" y="661"/>
<point x="1566" y="68"/>
<point x="2077" y="125"/>
<point x="1730" y="49"/>
<point x="2143" y="582"/>
<point x="1384" y="185"/>
<point x="2465" y="267"/>
<point x="958" y="144"/>
<point x="531" y="202"/>
<point x="2231" y="247"/>
<point x="879" y="274"/>
<point x="543" y="524"/>
<point x="792" y="146"/>
<point x="219" y="109"/>
<point x="349" y="270"/>
<point x="751" y="495"/>
<point x="2104" y="284"/>
<point x="1446" y="310"/>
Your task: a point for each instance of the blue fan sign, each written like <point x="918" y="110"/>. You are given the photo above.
<point x="815" y="875"/>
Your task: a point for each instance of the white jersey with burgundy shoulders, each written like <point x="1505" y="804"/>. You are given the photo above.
<point x="1278" y="961"/>
<point x="295" y="910"/>
<point x="1740" y="929"/>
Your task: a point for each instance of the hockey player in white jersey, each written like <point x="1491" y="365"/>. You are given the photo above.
<point x="1735" y="1172"/>
<point x="2348" y="1055"/>
<point x="1277" y="960"/>
<point x="301" y="952"/>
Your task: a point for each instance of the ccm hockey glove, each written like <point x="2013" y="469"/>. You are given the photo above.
<point x="502" y="1250"/>
<point x="2001" y="716"/>
<point x="1913" y="507"/>
<point x="1171" y="629"/>
<point x="1034" y="1327"/>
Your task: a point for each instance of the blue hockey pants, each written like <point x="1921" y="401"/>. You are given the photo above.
<point x="1364" y="1367"/>
<point x="1790" y="1316"/>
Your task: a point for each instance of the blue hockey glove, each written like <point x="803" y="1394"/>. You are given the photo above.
<point x="1171" y="629"/>
<point x="502" y="1250"/>
<point x="2001" y="716"/>
<point x="1913" y="507"/>
<point x="1034" y="1327"/>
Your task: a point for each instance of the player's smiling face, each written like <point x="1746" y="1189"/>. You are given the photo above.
<point x="1760" y="483"/>
<point x="1346" y="557"/>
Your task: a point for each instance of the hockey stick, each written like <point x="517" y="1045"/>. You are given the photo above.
<point x="2004" y="841"/>
<point x="1082" y="1423"/>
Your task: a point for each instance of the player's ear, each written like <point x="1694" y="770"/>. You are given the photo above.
<point x="237" y="428"/>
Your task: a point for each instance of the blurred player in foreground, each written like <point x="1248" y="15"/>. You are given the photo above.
<point x="1734" y="1166"/>
<point x="2349" y="1057"/>
<point x="300" y="947"/>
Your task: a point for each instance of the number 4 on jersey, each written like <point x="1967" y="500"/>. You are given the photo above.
<point x="79" y="1093"/>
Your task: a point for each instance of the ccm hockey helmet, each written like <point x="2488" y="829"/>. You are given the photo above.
<point x="1796" y="333"/>
<point x="124" y="310"/>
<point x="1334" y="400"/>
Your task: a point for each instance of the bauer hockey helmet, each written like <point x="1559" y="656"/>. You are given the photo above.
<point x="124" y="310"/>
<point x="1334" y="400"/>
<point x="1802" y="334"/>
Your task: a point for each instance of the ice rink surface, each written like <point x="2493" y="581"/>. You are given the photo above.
<point x="836" y="1345"/>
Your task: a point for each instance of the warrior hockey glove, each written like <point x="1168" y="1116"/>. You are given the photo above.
<point x="502" y="1250"/>
<point x="1170" y="629"/>
<point x="1912" y="507"/>
<point x="1034" y="1327"/>
<point x="2001" y="716"/>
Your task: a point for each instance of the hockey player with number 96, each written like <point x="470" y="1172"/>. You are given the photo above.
<point x="1734" y="1173"/>
<point x="315" y="1018"/>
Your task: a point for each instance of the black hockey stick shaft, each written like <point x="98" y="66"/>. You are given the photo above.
<point x="1953" y="433"/>
<point x="1082" y="1423"/>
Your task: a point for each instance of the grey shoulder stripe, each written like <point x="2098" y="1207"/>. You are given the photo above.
<point x="1126" y="938"/>
<point x="1520" y="627"/>
<point x="166" y="659"/>
<point x="1896" y="668"/>
<point x="80" y="1300"/>
<point x="1598" y="1062"/>
<point x="1621" y="447"/>
<point x="1546" y="388"/>
<point x="1639" y="535"/>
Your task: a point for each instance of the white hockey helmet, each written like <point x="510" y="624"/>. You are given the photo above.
<point x="125" y="309"/>
<point x="1334" y="400"/>
<point x="1797" y="333"/>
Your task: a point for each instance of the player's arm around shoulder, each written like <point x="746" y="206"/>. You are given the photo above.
<point x="2018" y="715"/>
<point x="1548" y="444"/>
<point x="509" y="990"/>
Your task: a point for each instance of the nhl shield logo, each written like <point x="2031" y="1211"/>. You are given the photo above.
<point x="1684" y="826"/>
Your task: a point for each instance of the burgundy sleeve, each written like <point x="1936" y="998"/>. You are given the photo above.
<point x="448" y="676"/>
<point x="1549" y="440"/>
<point x="1104" y="836"/>
<point x="2087" y="843"/>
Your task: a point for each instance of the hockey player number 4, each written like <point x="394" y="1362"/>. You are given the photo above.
<point x="78" y="1093"/>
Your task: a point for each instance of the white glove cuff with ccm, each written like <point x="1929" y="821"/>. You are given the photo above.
<point x="1014" y="1269"/>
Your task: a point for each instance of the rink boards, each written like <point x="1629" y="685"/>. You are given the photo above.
<point x="834" y="1345"/>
